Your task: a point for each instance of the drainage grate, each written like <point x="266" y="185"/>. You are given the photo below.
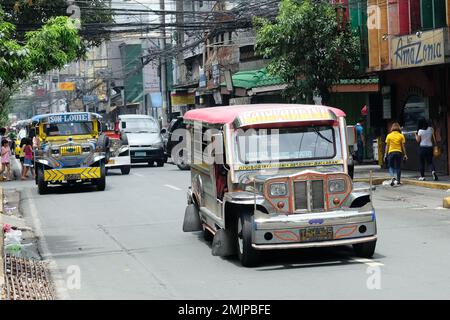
<point x="26" y="279"/>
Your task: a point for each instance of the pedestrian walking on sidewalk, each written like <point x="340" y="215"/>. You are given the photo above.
<point x="5" y="155"/>
<point x="360" y="141"/>
<point x="426" y="139"/>
<point x="395" y="151"/>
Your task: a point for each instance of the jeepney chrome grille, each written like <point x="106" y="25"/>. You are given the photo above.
<point x="309" y="195"/>
<point x="301" y="196"/>
<point x="70" y="151"/>
<point x="317" y="195"/>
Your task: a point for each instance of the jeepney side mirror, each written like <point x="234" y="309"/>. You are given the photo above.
<point x="351" y="135"/>
<point x="124" y="125"/>
<point x="163" y="131"/>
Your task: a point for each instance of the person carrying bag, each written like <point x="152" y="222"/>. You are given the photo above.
<point x="428" y="149"/>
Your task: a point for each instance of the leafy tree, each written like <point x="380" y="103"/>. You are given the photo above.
<point x="309" y="48"/>
<point x="32" y="14"/>
<point x="54" y="45"/>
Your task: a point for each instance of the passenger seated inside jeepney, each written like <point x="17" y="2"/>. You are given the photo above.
<point x="221" y="180"/>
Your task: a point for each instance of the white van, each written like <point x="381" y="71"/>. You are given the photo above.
<point x="144" y="137"/>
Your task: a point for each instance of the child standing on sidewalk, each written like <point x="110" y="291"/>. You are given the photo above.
<point x="6" y="153"/>
<point x="28" y="160"/>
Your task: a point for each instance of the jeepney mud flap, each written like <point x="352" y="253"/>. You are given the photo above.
<point x="192" y="220"/>
<point x="223" y="243"/>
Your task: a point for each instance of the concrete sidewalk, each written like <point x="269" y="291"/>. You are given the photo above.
<point x="379" y="175"/>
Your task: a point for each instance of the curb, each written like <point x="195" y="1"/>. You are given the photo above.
<point x="423" y="184"/>
<point x="375" y="180"/>
<point x="2" y="274"/>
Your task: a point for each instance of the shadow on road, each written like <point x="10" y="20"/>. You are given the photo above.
<point x="81" y="188"/>
<point x="273" y="260"/>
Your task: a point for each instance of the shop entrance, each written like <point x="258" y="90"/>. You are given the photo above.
<point x="416" y="108"/>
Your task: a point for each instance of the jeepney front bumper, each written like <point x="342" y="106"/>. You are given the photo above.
<point x="72" y="174"/>
<point x="325" y="229"/>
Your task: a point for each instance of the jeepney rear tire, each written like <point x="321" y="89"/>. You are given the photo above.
<point x="248" y="256"/>
<point x="207" y="235"/>
<point x="101" y="183"/>
<point x="160" y="163"/>
<point x="125" y="170"/>
<point x="181" y="162"/>
<point x="365" y="250"/>
<point x="151" y="163"/>
<point x="42" y="184"/>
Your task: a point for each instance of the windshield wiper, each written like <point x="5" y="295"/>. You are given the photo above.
<point x="322" y="136"/>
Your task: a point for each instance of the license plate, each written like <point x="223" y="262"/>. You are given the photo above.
<point x="111" y="162"/>
<point x="140" y="154"/>
<point x="316" y="234"/>
<point x="70" y="177"/>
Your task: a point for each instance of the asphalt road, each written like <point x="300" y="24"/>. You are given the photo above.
<point x="127" y="243"/>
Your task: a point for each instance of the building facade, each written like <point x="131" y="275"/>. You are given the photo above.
<point x="409" y="50"/>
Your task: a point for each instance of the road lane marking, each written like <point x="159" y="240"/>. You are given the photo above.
<point x="138" y="175"/>
<point x="173" y="187"/>
<point x="368" y="262"/>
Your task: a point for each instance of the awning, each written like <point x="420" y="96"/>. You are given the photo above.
<point x="260" y="81"/>
<point x="254" y="79"/>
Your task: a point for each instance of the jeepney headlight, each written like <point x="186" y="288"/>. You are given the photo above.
<point x="336" y="186"/>
<point x="86" y="149"/>
<point x="55" y="152"/>
<point x="278" y="189"/>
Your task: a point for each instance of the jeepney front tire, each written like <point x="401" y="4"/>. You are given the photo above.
<point x="365" y="250"/>
<point x="248" y="256"/>
<point x="42" y="184"/>
<point x="125" y="170"/>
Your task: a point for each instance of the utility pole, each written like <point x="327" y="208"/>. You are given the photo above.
<point x="163" y="64"/>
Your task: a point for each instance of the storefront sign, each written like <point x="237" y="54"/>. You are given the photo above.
<point x="216" y="74"/>
<point x="67" y="86"/>
<point x="182" y="99"/>
<point x="418" y="50"/>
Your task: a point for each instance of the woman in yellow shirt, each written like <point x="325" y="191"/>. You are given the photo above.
<point x="395" y="149"/>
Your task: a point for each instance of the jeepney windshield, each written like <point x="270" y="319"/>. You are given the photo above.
<point x="141" y="126"/>
<point x="286" y="144"/>
<point x="68" y="129"/>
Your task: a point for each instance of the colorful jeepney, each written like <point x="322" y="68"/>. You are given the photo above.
<point x="71" y="150"/>
<point x="283" y="183"/>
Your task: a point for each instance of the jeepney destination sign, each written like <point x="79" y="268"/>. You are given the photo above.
<point x="414" y="51"/>
<point x="65" y="118"/>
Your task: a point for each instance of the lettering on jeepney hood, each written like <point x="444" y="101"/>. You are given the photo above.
<point x="262" y="175"/>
